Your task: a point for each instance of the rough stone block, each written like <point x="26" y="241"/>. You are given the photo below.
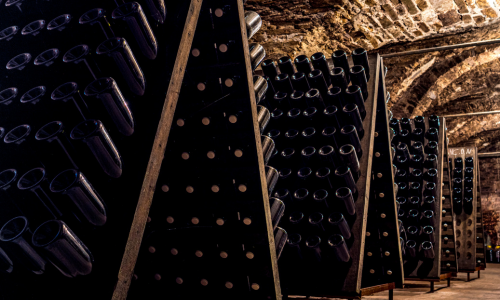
<point x="418" y="17"/>
<point x="479" y="19"/>
<point x="489" y="12"/>
<point x="385" y="21"/>
<point x="462" y="6"/>
<point x="423" y="26"/>
<point x="450" y="17"/>
<point x="411" y="6"/>
<point x="467" y="18"/>
<point x="482" y="3"/>
<point x="418" y="33"/>
<point x="422" y="4"/>
<point x="390" y="11"/>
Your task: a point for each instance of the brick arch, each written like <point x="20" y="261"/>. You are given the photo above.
<point x="432" y="97"/>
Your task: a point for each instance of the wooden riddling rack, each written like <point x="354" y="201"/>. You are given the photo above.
<point x="480" y="238"/>
<point x="412" y="213"/>
<point x="464" y="196"/>
<point x="56" y="25"/>
<point x="209" y="230"/>
<point x="303" y="273"/>
<point x="449" y="248"/>
<point x="382" y="216"/>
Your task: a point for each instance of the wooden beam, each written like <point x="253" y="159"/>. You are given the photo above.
<point x="160" y="143"/>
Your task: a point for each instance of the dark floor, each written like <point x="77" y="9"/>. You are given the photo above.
<point x="485" y="288"/>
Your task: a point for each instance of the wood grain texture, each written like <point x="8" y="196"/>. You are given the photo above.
<point x="260" y="155"/>
<point x="157" y="153"/>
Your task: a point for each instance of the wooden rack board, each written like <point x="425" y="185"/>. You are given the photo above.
<point x="465" y="221"/>
<point x="444" y="276"/>
<point x="382" y="203"/>
<point x="209" y="228"/>
<point x="480" y="239"/>
<point x="431" y="269"/>
<point x="449" y="250"/>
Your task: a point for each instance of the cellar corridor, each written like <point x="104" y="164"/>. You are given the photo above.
<point x="486" y="288"/>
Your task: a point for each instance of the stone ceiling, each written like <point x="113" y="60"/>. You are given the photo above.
<point x="442" y="83"/>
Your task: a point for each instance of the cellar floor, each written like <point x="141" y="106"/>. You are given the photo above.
<point x="485" y="288"/>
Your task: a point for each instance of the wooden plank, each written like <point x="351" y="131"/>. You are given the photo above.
<point x="260" y="155"/>
<point x="156" y="158"/>
<point x="363" y="293"/>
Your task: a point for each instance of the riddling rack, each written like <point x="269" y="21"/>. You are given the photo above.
<point x="379" y="261"/>
<point x="463" y="170"/>
<point x="480" y="244"/>
<point x="209" y="231"/>
<point x="326" y="190"/>
<point x="449" y="249"/>
<point x="419" y="178"/>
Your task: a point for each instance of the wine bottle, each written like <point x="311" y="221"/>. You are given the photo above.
<point x="260" y="87"/>
<point x="330" y="137"/>
<point x="404" y="136"/>
<point x="428" y="217"/>
<point x="415" y="201"/>
<point x="314" y="250"/>
<point x="457" y="183"/>
<point x="305" y="174"/>
<point x="286" y="66"/>
<point x="432" y="134"/>
<point x="257" y="55"/>
<point x="413" y="217"/>
<point x="291" y="138"/>
<point x="280" y="239"/>
<point x="457" y="173"/>
<point x="419" y="122"/>
<point x="345" y="196"/>
<point x="354" y="96"/>
<point x="277" y="116"/>
<point x="277" y="211"/>
<point x="253" y="23"/>
<point x="402" y="150"/>
<point x="457" y="204"/>
<point x="428" y="233"/>
<point x="431" y="148"/>
<point x="402" y="189"/>
<point x="401" y="213"/>
<point x="311" y="115"/>
<point x="317" y="81"/>
<point x="338" y="246"/>
<point x="319" y="62"/>
<point x="417" y="135"/>
<point x="333" y="117"/>
<point x="430" y="161"/>
<point x="328" y="157"/>
<point x="417" y="162"/>
<point x="316" y="221"/>
<point x="339" y="58"/>
<point x="469" y="172"/>
<point x="299" y="82"/>
<point x="401" y="176"/>
<point x="286" y="177"/>
<point x="349" y="157"/>
<point x="300" y="197"/>
<point x="412" y="232"/>
<point x="283" y="83"/>
<point x="457" y="193"/>
<point x="284" y="195"/>
<point x="459" y="163"/>
<point x="402" y="162"/>
<point x="428" y="250"/>
<point x="394" y="124"/>
<point x="297" y="100"/>
<point x="417" y="148"/>
<point x="314" y="99"/>
<point x="358" y="77"/>
<point x="269" y="68"/>
<point x="415" y="189"/>
<point x="267" y="147"/>
<point x="309" y="156"/>
<point x="339" y="223"/>
<point x="431" y="175"/>
<point x="263" y="117"/>
<point x="360" y="58"/>
<point x="272" y="176"/>
<point x="335" y="97"/>
<point x="401" y="199"/>
<point x="468" y="205"/>
<point x="429" y="202"/>
<point x="320" y="198"/>
<point x="296" y="219"/>
<point x="293" y="117"/>
<point x="346" y="179"/>
<point x="469" y="162"/>
<point x="352" y="117"/>
<point x="416" y="176"/>
<point x="430" y="189"/>
<point x="411" y="249"/>
<point x="309" y="136"/>
<point x="289" y="157"/>
<point x="350" y="134"/>
<point x="324" y="176"/>
<point x="303" y="64"/>
<point x="434" y="121"/>
<point x="468" y="182"/>
<point x="294" y="240"/>
<point x="280" y="101"/>
<point x="339" y="78"/>
<point x="405" y="124"/>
